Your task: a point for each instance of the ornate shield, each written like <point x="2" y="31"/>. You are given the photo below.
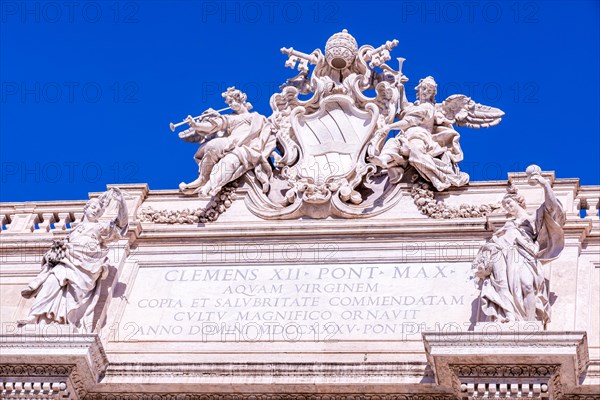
<point x="332" y="139"/>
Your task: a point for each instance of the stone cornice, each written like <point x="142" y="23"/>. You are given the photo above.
<point x="272" y="371"/>
<point x="83" y="350"/>
<point x="320" y="228"/>
<point x="525" y="361"/>
<point x="53" y="364"/>
<point x="271" y="396"/>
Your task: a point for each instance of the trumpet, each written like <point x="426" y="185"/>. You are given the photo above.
<point x="195" y="119"/>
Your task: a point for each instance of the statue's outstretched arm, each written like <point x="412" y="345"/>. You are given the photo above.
<point x="209" y="125"/>
<point x="535" y="178"/>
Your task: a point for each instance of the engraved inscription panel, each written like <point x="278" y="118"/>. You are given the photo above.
<point x="299" y="303"/>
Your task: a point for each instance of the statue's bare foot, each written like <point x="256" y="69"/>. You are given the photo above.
<point x="214" y="192"/>
<point x="508" y="318"/>
<point x="28" y="292"/>
<point x="186" y="188"/>
<point x="204" y="191"/>
<point x="32" y="319"/>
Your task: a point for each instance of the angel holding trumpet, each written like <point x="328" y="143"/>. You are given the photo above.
<point x="427" y="140"/>
<point x="230" y="145"/>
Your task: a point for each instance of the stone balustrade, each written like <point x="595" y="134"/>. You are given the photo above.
<point x="40" y="217"/>
<point x="44" y="217"/>
<point x="33" y="390"/>
<point x="589" y="201"/>
<point x="48" y="216"/>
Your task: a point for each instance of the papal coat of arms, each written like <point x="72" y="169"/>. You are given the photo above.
<point x="330" y="153"/>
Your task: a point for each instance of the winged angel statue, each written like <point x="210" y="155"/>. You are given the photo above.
<point x="427" y="141"/>
<point x="323" y="151"/>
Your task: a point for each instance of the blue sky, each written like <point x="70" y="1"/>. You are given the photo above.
<point x="89" y="87"/>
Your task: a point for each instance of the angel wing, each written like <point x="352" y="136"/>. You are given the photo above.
<point x="462" y="111"/>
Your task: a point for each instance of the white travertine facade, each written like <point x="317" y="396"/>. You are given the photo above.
<point x="247" y="306"/>
<point x="311" y="258"/>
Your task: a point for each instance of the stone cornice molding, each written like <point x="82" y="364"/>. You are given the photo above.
<point x="519" y="363"/>
<point x="78" y="360"/>
<point x="270" y="396"/>
<point x="388" y="372"/>
<point x="321" y="228"/>
<point x="526" y="364"/>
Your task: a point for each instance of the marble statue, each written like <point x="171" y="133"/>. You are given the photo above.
<point x="427" y="140"/>
<point x="508" y="266"/>
<point x="67" y="288"/>
<point x="230" y="145"/>
<point x="323" y="151"/>
<point x="323" y="138"/>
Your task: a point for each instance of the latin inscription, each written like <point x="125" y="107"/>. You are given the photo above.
<point x="300" y="303"/>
